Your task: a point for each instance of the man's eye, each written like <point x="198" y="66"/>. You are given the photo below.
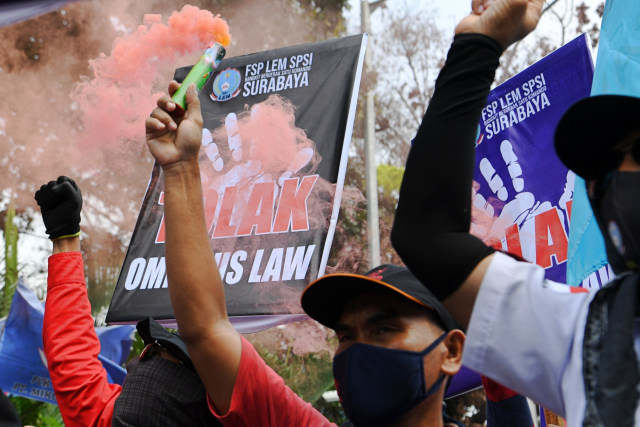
<point x="382" y="330"/>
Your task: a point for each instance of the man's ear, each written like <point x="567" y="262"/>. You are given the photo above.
<point x="454" y="342"/>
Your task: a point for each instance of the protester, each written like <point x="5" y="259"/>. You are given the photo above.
<point x="571" y="351"/>
<point x="160" y="389"/>
<point x="398" y="346"/>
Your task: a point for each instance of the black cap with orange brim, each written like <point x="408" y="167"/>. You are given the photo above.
<point x="325" y="298"/>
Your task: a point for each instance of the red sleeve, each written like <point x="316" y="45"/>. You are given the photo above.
<point x="261" y="398"/>
<point x="84" y="395"/>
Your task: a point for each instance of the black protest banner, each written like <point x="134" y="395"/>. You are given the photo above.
<point x="277" y="131"/>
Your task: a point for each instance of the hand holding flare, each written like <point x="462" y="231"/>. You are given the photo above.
<point x="171" y="137"/>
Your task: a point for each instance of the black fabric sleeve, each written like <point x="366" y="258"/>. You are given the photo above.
<point x="431" y="228"/>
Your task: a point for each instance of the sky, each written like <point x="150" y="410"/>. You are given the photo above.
<point x="450" y="12"/>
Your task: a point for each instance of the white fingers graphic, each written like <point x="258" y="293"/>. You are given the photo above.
<point x="495" y="182"/>
<point x="511" y="160"/>
<point x="233" y="134"/>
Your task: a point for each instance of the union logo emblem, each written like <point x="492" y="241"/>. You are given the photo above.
<point x="226" y="85"/>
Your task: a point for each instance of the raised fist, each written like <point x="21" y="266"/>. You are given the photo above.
<point x="60" y="203"/>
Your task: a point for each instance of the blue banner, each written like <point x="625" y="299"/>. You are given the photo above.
<point x="522" y="192"/>
<point x="617" y="71"/>
<point x="23" y="366"/>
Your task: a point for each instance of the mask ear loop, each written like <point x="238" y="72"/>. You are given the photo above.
<point x="434" y="344"/>
<point x="442" y="376"/>
<point x="435" y="385"/>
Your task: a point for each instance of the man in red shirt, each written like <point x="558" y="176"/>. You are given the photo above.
<point x="159" y="388"/>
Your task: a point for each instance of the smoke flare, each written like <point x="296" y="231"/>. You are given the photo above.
<point x="116" y="101"/>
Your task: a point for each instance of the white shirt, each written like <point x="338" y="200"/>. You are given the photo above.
<point x="527" y="332"/>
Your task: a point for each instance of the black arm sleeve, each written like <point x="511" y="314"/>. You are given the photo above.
<point x="431" y="228"/>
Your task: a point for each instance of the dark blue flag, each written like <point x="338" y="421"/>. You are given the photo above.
<point x="23" y="366"/>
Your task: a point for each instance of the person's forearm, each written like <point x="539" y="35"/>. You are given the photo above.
<point x="441" y="161"/>
<point x="431" y="227"/>
<point x="195" y="286"/>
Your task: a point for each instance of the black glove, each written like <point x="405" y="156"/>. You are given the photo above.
<point x="60" y="203"/>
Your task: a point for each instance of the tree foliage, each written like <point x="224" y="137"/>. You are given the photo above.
<point x="10" y="260"/>
<point x="34" y="413"/>
<point x="589" y="24"/>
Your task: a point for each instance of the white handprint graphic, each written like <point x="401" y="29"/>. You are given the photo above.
<point x="519" y="207"/>
<point x="259" y="145"/>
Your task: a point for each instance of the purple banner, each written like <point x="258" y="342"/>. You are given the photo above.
<point x="522" y="192"/>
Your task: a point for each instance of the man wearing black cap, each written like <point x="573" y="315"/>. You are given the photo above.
<point x="390" y="365"/>
<point x="569" y="350"/>
<point x="398" y="345"/>
<point x="388" y="313"/>
<point x="161" y="387"/>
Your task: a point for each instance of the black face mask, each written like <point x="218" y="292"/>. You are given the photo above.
<point x="616" y="203"/>
<point x="378" y="385"/>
